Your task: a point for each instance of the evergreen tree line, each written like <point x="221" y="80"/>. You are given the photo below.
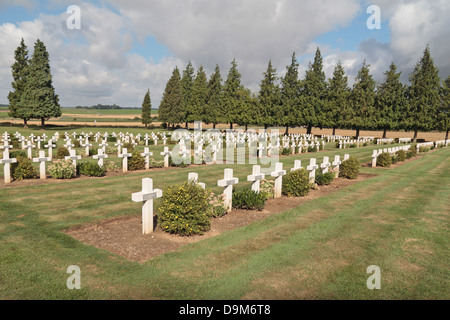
<point x="313" y="101"/>
<point x="33" y="95"/>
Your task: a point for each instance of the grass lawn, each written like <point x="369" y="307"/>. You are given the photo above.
<point x="398" y="220"/>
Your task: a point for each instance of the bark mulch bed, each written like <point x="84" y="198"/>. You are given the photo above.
<point x="123" y="236"/>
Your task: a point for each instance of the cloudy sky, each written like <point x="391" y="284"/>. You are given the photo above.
<point x="124" y="47"/>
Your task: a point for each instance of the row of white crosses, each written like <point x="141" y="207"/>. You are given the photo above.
<point x="394" y="150"/>
<point x="148" y="194"/>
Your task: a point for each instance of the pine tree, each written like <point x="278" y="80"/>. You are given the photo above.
<point x="362" y="101"/>
<point x="336" y="107"/>
<point x="423" y="95"/>
<point x="199" y="92"/>
<point x="147" y="109"/>
<point x="187" y="84"/>
<point x="246" y="107"/>
<point x="443" y="114"/>
<point x="39" y="93"/>
<point x="288" y="112"/>
<point x="20" y="70"/>
<point x="211" y="112"/>
<point x="268" y="98"/>
<point x="171" y="107"/>
<point x="314" y="91"/>
<point x="390" y="102"/>
<point x="230" y="101"/>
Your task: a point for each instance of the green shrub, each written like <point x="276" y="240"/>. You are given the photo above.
<point x="413" y="150"/>
<point x="324" y="179"/>
<point x="349" y="168"/>
<point x="112" y="166"/>
<point x="424" y="149"/>
<point x="91" y="169"/>
<point x="247" y="199"/>
<point x="18" y="153"/>
<point x="23" y="169"/>
<point x="62" y="169"/>
<point x="62" y="152"/>
<point x="296" y="183"/>
<point x="353" y="145"/>
<point x="286" y="152"/>
<point x="111" y="139"/>
<point x="384" y="160"/>
<point x="266" y="187"/>
<point x="156" y="164"/>
<point x="218" y="205"/>
<point x="15" y="143"/>
<point x="136" y="162"/>
<point x="129" y="146"/>
<point x="76" y="144"/>
<point x="181" y="164"/>
<point x="394" y="159"/>
<point x="311" y="149"/>
<point x="185" y="210"/>
<point x="401" y="155"/>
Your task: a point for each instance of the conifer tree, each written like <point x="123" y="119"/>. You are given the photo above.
<point x="288" y="112"/>
<point x="20" y="70"/>
<point x="246" y="107"/>
<point x="199" y="92"/>
<point x="268" y="98"/>
<point x="230" y="100"/>
<point x="211" y="113"/>
<point x="423" y="95"/>
<point x="171" y="107"/>
<point x="362" y="101"/>
<point x="39" y="93"/>
<point x="147" y="109"/>
<point x="313" y="91"/>
<point x="390" y="102"/>
<point x="336" y="108"/>
<point x="187" y="84"/>
<point x="443" y="114"/>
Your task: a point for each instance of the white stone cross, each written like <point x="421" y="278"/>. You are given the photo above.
<point x="336" y="163"/>
<point x="50" y="147"/>
<point x="227" y="182"/>
<point x="100" y="156"/>
<point x="42" y="159"/>
<point x="325" y="164"/>
<point x="125" y="155"/>
<point x="146" y="196"/>
<point x="69" y="145"/>
<point x="6" y="146"/>
<point x="86" y="145"/>
<point x="346" y="157"/>
<point x="147" y="155"/>
<point x="312" y="170"/>
<point x="166" y="153"/>
<point x="29" y="148"/>
<point x="374" y="158"/>
<point x="39" y="140"/>
<point x="103" y="145"/>
<point x="256" y="178"/>
<point x="194" y="178"/>
<point x="7" y="166"/>
<point x="119" y="145"/>
<point x="297" y="165"/>
<point x="278" y="174"/>
<point x="73" y="156"/>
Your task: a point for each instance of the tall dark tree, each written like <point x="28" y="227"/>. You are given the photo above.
<point x="39" y="93"/>
<point x="146" y="109"/>
<point x="362" y="101"/>
<point x="199" y="92"/>
<point x="230" y="98"/>
<point x="20" y="70"/>
<point x="336" y="108"/>
<point x="288" y="112"/>
<point x="171" y="107"/>
<point x="390" y="102"/>
<point x="211" y="113"/>
<point x="314" y="93"/>
<point x="187" y="84"/>
<point x="443" y="114"/>
<point x="246" y="107"/>
<point x="268" y="98"/>
<point x="423" y="95"/>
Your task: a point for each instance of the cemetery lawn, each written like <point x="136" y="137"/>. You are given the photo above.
<point x="397" y="220"/>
